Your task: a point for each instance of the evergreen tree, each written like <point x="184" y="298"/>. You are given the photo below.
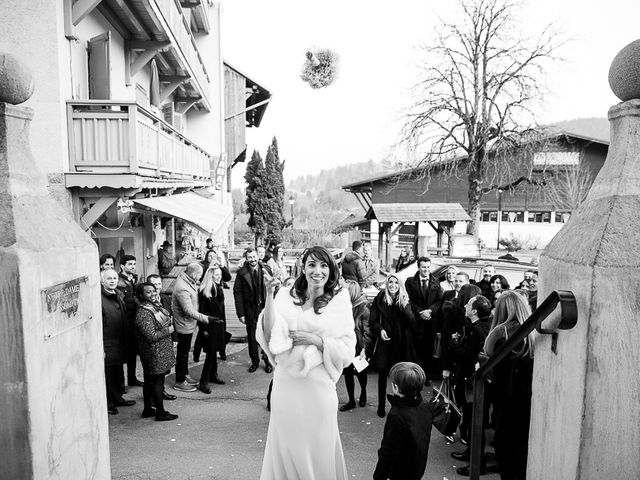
<point x="256" y="197"/>
<point x="275" y="189"/>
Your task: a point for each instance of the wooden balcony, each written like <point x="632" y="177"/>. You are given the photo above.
<point x="123" y="139"/>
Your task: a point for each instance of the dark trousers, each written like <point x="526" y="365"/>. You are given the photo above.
<point x="210" y="367"/>
<point x="382" y="388"/>
<point x="349" y="381"/>
<point x="112" y="381"/>
<point x="424" y="349"/>
<point x="152" y="391"/>
<point x="198" y="345"/>
<point x="253" y="345"/>
<point x="182" y="356"/>
<point x="131" y="368"/>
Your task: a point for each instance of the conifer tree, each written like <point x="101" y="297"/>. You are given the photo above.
<point x="256" y="197"/>
<point x="275" y="189"/>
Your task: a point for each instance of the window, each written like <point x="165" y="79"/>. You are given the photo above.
<point x="547" y="159"/>
<point x="562" y="217"/>
<point x="513" y="217"/>
<point x="488" y="216"/>
<point x="539" y="217"/>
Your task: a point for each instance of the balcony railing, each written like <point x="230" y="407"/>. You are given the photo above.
<point x="123" y="137"/>
<point x="180" y="29"/>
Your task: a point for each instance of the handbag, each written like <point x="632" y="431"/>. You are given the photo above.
<point x="444" y="412"/>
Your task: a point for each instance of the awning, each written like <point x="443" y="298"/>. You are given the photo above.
<point x="204" y="213"/>
<point x="417" y="212"/>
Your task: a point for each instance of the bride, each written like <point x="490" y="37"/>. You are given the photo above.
<point x="308" y="334"/>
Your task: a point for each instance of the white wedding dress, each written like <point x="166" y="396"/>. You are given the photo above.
<point x="303" y="442"/>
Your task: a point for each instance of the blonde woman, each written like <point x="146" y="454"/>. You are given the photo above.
<point x="392" y="322"/>
<point x="511" y="385"/>
<point x="211" y="303"/>
<point x="449" y="279"/>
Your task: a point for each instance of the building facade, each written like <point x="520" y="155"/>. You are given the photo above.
<point x="131" y="117"/>
<point x="526" y="212"/>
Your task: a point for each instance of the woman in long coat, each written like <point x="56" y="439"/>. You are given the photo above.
<point x="153" y="330"/>
<point x="364" y="345"/>
<point x="211" y="303"/>
<point x="512" y="381"/>
<point x="392" y="323"/>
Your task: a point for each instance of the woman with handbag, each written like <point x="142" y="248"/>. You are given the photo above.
<point x="364" y="337"/>
<point x="211" y="303"/>
<point x="153" y="330"/>
<point x="392" y="323"/>
<point x="511" y="386"/>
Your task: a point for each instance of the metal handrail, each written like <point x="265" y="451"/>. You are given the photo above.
<point x="475" y="385"/>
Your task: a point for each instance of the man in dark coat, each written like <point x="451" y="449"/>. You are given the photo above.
<point x="113" y="337"/>
<point x="127" y="281"/>
<point x="425" y="296"/>
<point x="249" y="296"/>
<point x="488" y="271"/>
<point x="353" y="266"/>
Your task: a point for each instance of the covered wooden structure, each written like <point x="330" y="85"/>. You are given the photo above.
<point x="392" y="216"/>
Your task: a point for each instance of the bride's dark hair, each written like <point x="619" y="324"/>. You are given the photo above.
<point x="300" y="289"/>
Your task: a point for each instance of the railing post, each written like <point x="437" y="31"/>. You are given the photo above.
<point x="477" y="427"/>
<point x="133" y="138"/>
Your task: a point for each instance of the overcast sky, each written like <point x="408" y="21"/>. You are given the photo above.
<point x="355" y="119"/>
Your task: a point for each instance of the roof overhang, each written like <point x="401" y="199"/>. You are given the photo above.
<point x="204" y="213"/>
<point x="124" y="180"/>
<point x="256" y="101"/>
<point x="417" y="212"/>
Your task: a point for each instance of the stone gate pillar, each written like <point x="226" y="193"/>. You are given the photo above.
<point x="585" y="412"/>
<point x="52" y="394"/>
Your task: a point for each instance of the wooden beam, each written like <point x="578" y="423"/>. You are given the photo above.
<point x="187" y="105"/>
<point x="249" y="108"/>
<point x="395" y="229"/>
<point x="96" y="211"/>
<point x="132" y="19"/>
<point x="186" y="99"/>
<point x="114" y="21"/>
<point x="173" y="78"/>
<point x="140" y="45"/>
<point x="169" y="89"/>
<point x="82" y="8"/>
<point x="433" y="226"/>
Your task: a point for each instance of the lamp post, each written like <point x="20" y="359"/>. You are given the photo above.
<point x="291" y="202"/>
<point x="499" y="216"/>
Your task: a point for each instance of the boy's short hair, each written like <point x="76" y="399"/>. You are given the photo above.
<point x="409" y="377"/>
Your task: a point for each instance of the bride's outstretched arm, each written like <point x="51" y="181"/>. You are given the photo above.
<point x="270" y="284"/>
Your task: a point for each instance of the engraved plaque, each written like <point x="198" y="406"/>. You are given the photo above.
<point x="65" y="306"/>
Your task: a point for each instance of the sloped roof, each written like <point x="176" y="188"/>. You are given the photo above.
<point x="417" y="212"/>
<point x="349" y="223"/>
<point x="588" y="129"/>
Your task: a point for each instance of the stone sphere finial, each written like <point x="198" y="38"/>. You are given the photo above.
<point x="16" y="81"/>
<point x="624" y="73"/>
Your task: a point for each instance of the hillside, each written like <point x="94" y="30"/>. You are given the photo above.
<point x="321" y="194"/>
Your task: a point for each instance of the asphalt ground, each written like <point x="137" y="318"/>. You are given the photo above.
<point x="222" y="436"/>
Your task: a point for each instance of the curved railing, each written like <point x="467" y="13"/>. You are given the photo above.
<point x="475" y="384"/>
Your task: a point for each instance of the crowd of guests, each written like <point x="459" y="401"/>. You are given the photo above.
<point x="414" y="332"/>
<point x="448" y="326"/>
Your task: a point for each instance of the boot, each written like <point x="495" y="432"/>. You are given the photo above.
<point x="204" y="387"/>
<point x="363" y="398"/>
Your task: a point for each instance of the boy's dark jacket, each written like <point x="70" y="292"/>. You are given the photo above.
<point x="405" y="444"/>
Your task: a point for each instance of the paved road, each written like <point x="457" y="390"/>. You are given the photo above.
<point x="221" y="436"/>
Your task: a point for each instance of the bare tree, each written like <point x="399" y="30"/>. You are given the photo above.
<point x="474" y="114"/>
<point x="567" y="187"/>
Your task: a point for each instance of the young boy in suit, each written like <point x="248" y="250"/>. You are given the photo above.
<point x="407" y="432"/>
